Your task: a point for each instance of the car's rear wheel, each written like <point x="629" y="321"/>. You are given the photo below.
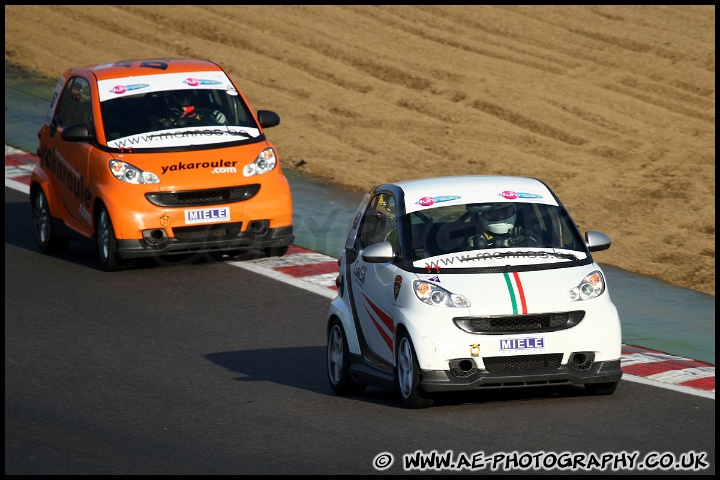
<point x="601" y="388"/>
<point x="106" y="241"/>
<point x="338" y="362"/>
<point x="42" y="225"/>
<point x="408" y="375"/>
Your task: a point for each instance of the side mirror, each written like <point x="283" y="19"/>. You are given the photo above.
<point x="76" y="133"/>
<point x="268" y="118"/>
<point x="379" y="253"/>
<point x="596" y="241"/>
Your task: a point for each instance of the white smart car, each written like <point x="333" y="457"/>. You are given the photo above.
<point x="470" y="283"/>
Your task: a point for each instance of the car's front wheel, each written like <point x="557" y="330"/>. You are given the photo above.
<point x="42" y="225"/>
<point x="106" y="241"/>
<point x="408" y="375"/>
<point x="338" y="362"/>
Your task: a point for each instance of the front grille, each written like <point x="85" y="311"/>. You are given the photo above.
<point x="522" y="362"/>
<point x="544" y="322"/>
<point x="194" y="198"/>
<point x="210" y="232"/>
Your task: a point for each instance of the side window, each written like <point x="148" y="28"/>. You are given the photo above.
<point x="390" y="233"/>
<point x="353" y="234"/>
<point x="75" y="106"/>
<point x="380" y="221"/>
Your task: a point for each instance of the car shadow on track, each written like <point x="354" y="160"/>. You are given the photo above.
<point x="304" y="368"/>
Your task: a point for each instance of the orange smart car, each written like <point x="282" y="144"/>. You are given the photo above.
<point x="157" y="158"/>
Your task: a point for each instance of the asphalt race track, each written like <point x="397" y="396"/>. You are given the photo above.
<point x="316" y="272"/>
<point x="207" y="368"/>
<point x="218" y="368"/>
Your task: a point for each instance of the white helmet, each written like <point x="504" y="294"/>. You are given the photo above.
<point x="498" y="218"/>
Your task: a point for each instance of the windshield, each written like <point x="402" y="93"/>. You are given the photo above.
<point x="482" y="226"/>
<point x="174" y="110"/>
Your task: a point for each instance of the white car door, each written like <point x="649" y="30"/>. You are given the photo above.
<point x="372" y="284"/>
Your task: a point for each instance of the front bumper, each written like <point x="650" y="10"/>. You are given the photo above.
<point x="210" y="238"/>
<point x="469" y="378"/>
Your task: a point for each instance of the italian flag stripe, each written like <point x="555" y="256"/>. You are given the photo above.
<point x="513" y="296"/>
<point x="520" y="292"/>
<point x="510" y="289"/>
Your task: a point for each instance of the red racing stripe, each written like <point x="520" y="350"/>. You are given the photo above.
<point x="385" y="336"/>
<point x="383" y="316"/>
<point x="521" y="292"/>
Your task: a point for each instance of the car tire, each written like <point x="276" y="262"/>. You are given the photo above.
<point x="408" y="375"/>
<point x="45" y="236"/>
<point x="276" y="251"/>
<point x="338" y="362"/>
<point x="601" y="388"/>
<point x="106" y="241"/>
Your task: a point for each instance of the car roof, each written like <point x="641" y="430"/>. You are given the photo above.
<point x="148" y="66"/>
<point x="427" y="192"/>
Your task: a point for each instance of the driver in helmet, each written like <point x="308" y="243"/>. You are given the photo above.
<point x="496" y="223"/>
<point x="180" y="111"/>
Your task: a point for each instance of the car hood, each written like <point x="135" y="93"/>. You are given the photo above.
<point x="196" y="169"/>
<point x="514" y="292"/>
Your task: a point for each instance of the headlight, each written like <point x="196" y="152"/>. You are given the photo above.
<point x="131" y="174"/>
<point x="434" y="295"/>
<point x="593" y="285"/>
<point x="264" y="162"/>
